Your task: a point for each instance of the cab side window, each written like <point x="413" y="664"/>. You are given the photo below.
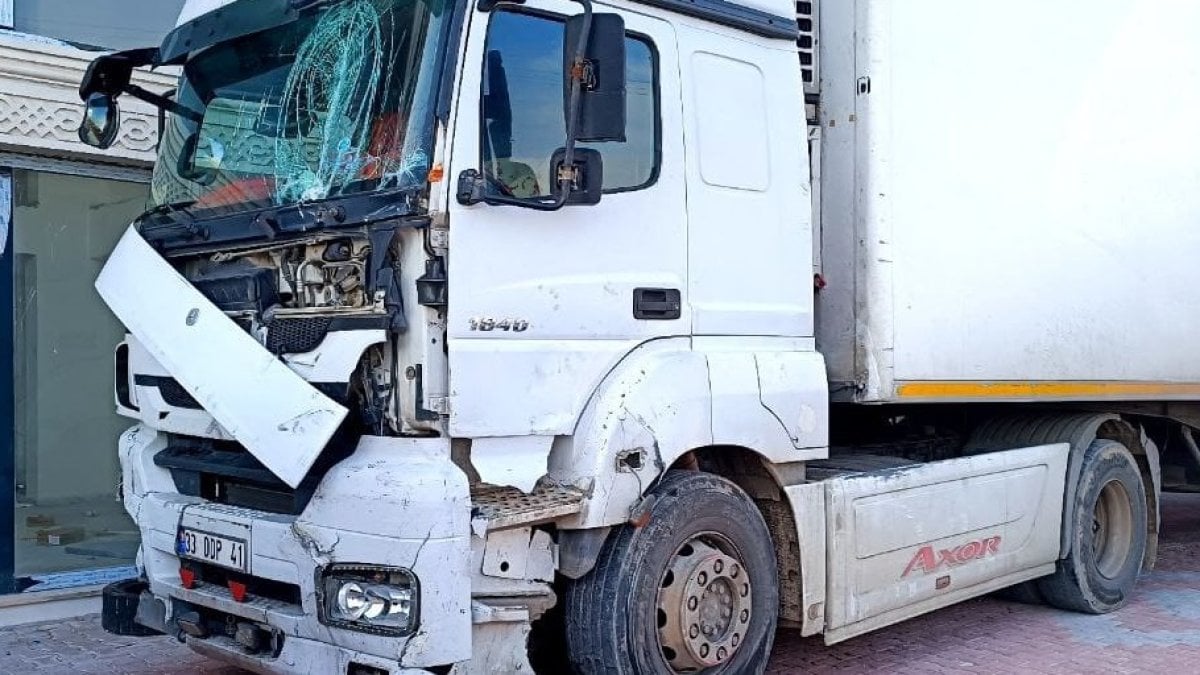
<point x="523" y="121"/>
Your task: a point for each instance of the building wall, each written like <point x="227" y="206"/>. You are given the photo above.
<point x="40" y="108"/>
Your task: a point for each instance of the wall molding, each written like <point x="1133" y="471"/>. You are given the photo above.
<point x="40" y="107"/>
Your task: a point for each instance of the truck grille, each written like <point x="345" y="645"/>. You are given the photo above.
<point x="296" y="336"/>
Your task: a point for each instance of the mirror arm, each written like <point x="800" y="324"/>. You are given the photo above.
<point x="573" y="104"/>
<point x="164" y="103"/>
<point x="472" y="189"/>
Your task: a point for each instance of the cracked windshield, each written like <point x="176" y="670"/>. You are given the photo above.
<point x="335" y="103"/>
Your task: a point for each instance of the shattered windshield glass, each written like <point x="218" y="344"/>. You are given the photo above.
<point x="339" y="102"/>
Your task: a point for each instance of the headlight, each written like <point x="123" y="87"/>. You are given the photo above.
<point x="383" y="600"/>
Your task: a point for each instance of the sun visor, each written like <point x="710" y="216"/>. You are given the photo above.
<point x="279" y="417"/>
<point x="211" y="23"/>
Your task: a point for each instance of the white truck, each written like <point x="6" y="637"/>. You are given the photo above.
<point x="610" y="335"/>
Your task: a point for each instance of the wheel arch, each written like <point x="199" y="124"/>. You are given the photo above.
<point x="765" y="483"/>
<point x="668" y="399"/>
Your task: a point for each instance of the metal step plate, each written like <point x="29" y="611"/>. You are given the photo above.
<point x="503" y="507"/>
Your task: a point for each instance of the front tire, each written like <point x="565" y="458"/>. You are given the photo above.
<point x="1108" y="535"/>
<point x="695" y="590"/>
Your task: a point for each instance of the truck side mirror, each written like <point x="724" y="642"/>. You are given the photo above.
<point x="101" y="121"/>
<point x="584" y="176"/>
<point x="602" y="72"/>
<point x="107" y="78"/>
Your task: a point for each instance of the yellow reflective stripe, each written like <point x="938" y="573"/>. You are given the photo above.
<point x="1045" y="390"/>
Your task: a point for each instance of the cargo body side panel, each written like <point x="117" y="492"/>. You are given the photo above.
<point x="1027" y="201"/>
<point x="906" y="541"/>
<point x="835" y="304"/>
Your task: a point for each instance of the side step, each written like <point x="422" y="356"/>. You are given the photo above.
<point x="498" y="508"/>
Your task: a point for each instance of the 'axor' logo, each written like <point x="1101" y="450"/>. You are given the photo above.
<point x="927" y="560"/>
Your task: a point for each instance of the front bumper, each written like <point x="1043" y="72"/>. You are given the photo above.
<point x="394" y="502"/>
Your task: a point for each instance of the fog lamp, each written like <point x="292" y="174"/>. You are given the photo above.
<point x="371" y="599"/>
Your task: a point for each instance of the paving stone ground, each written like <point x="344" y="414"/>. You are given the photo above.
<point x="1159" y="632"/>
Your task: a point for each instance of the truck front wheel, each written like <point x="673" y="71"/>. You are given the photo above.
<point x="1108" y="534"/>
<point x="693" y="590"/>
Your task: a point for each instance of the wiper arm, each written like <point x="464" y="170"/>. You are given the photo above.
<point x="177" y="214"/>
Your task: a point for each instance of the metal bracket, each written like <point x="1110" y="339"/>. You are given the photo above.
<point x="439" y="405"/>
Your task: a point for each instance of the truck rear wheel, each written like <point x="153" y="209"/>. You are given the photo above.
<point x="694" y="590"/>
<point x="1108" y="535"/>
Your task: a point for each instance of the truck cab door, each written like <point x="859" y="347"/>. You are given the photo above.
<point x="543" y="304"/>
<point x="905" y="541"/>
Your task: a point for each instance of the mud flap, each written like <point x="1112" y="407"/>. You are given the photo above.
<point x="120" y="609"/>
<point x="281" y="419"/>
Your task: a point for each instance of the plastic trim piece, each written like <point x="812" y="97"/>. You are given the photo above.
<point x="733" y="15"/>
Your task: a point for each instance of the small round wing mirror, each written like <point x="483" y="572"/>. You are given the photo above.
<point x="101" y="121"/>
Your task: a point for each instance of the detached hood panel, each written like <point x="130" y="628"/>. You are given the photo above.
<point x="279" y="417"/>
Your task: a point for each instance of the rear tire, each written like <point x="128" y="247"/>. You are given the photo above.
<point x="1108" y="534"/>
<point x="694" y="590"/>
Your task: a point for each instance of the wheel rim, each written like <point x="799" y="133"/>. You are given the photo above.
<point x="704" y="605"/>
<point x="1112" y="529"/>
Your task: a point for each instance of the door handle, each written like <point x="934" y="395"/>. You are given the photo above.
<point x="657" y="304"/>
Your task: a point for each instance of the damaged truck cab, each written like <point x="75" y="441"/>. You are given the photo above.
<point x="340" y="463"/>
<point x="480" y="337"/>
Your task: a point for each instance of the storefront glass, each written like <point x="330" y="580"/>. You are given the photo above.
<point x="68" y="517"/>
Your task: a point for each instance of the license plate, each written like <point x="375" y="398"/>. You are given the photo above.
<point x="212" y="548"/>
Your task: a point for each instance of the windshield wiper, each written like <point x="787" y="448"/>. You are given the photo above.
<point x="175" y="214"/>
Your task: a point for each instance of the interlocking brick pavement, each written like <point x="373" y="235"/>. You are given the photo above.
<point x="1158" y="632"/>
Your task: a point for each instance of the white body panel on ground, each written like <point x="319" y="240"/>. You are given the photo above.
<point x="1042" y="182"/>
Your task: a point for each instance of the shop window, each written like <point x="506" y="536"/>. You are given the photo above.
<point x="68" y="517"/>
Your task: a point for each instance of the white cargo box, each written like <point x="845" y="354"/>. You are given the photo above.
<point x="1010" y="200"/>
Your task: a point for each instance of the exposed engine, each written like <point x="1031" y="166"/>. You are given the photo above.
<point x="321" y="275"/>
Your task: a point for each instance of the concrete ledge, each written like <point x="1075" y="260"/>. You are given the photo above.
<point x="41" y="606"/>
